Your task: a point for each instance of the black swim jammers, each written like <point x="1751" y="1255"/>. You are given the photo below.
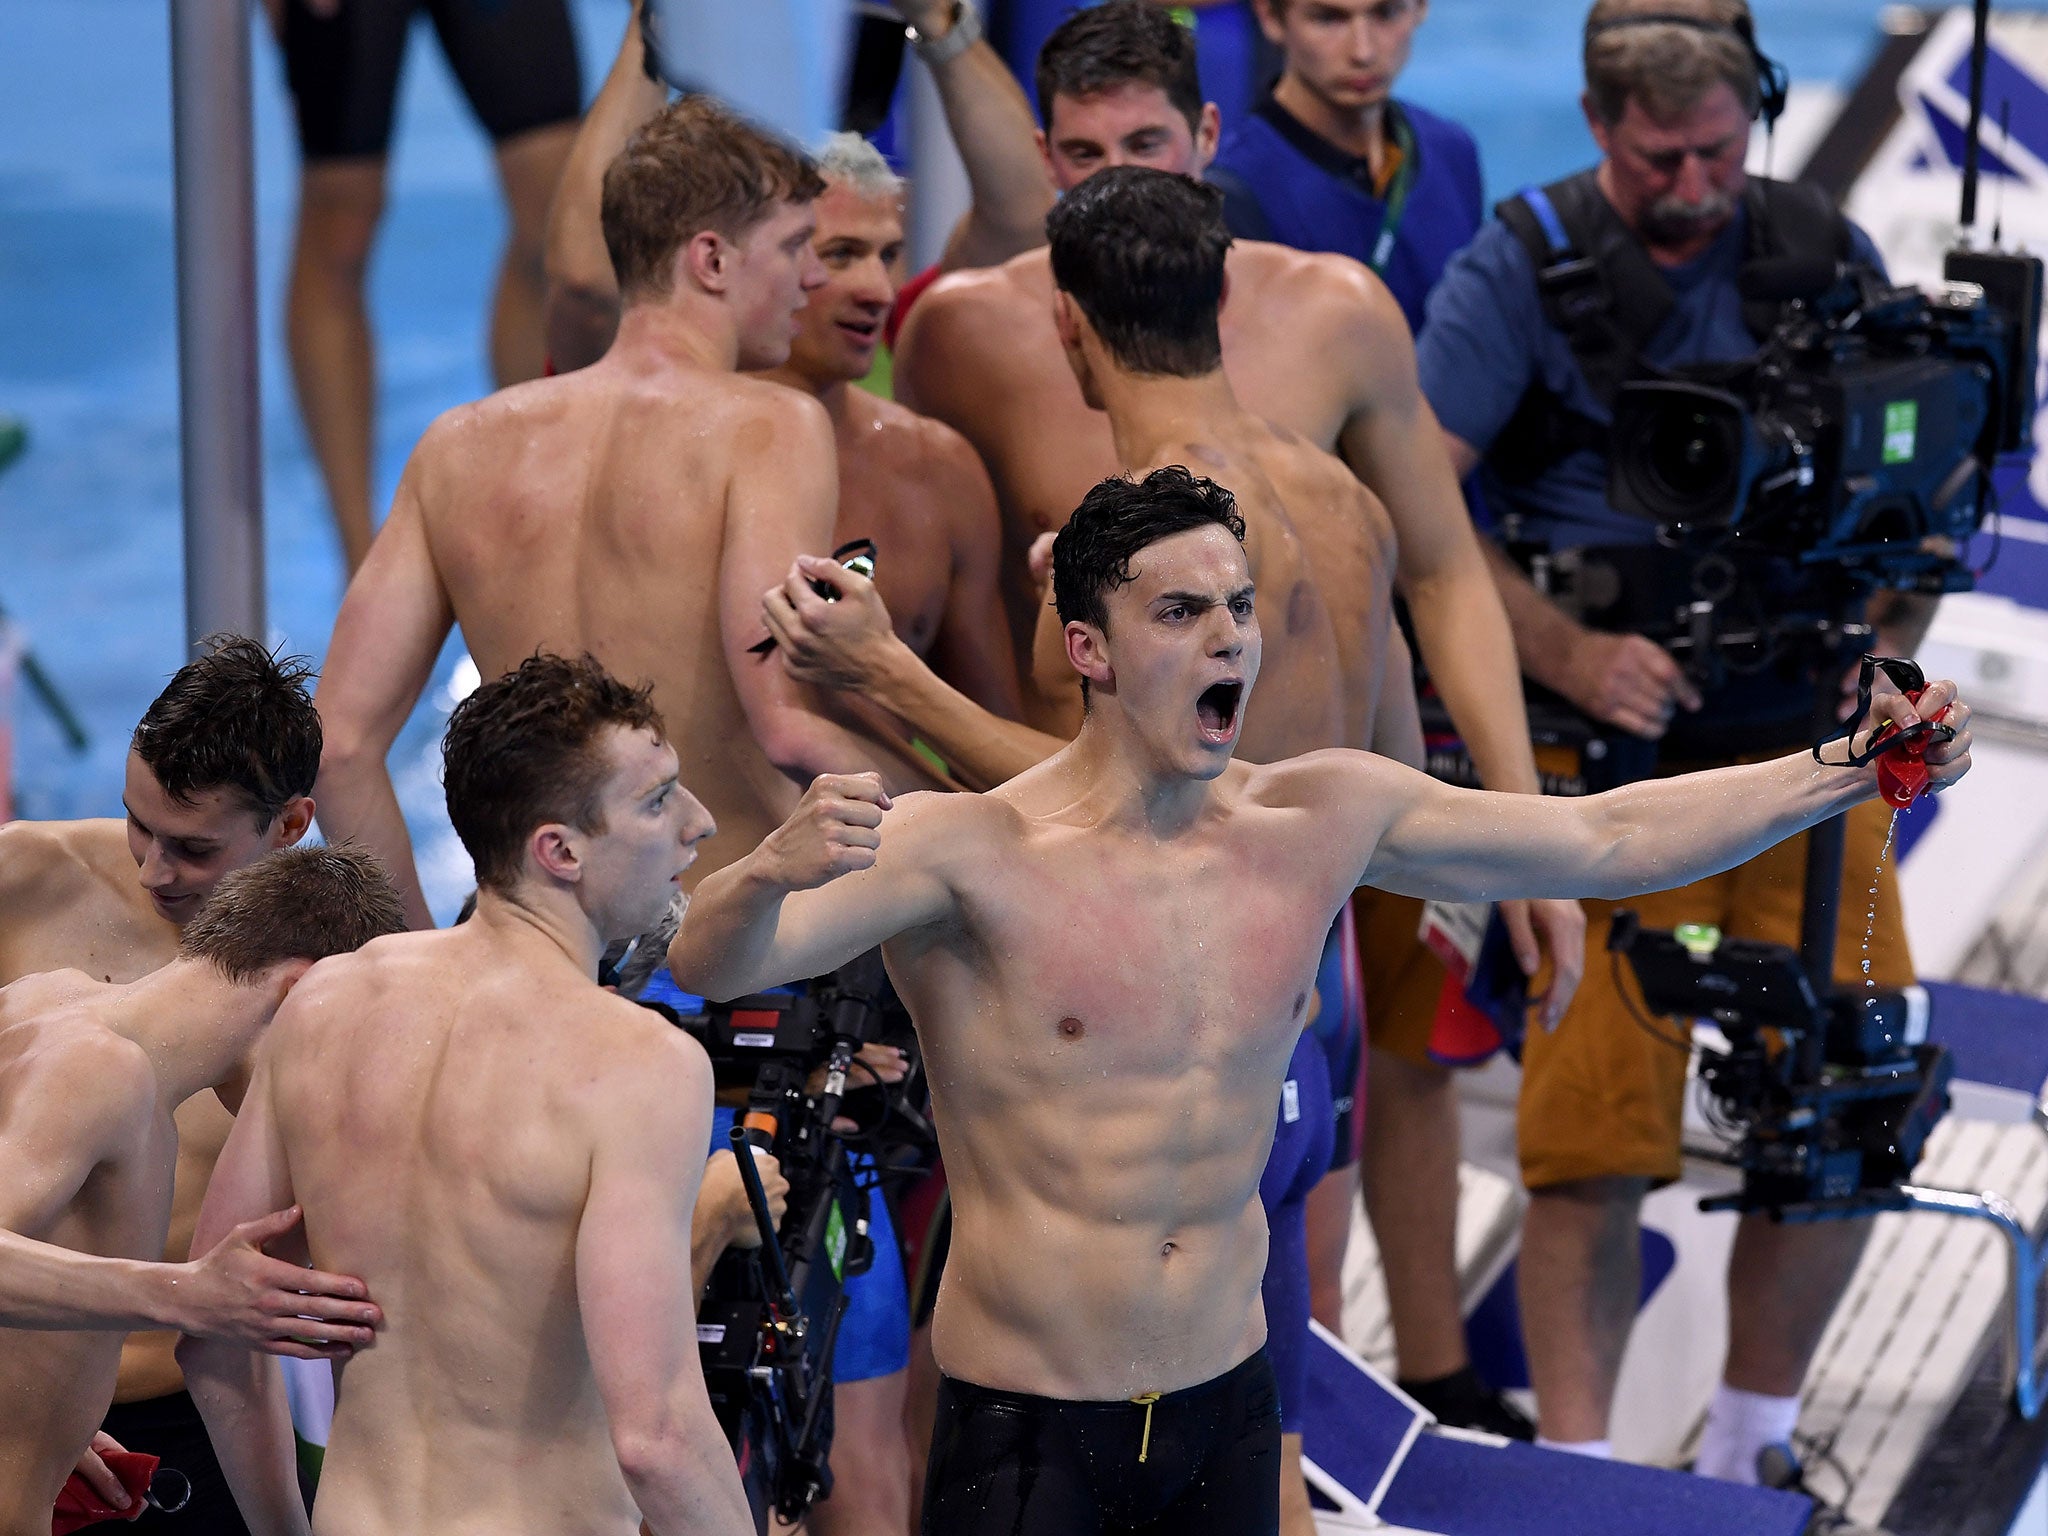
<point x="1204" y="1461"/>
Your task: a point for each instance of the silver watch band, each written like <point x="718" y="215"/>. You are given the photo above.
<point x="961" y="36"/>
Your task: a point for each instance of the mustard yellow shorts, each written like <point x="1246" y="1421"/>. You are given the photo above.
<point x="1403" y="979"/>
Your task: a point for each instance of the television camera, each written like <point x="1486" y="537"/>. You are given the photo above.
<point x="770" y="1317"/>
<point x="1853" y="452"/>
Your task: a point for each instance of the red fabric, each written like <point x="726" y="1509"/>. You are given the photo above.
<point x="906" y="296"/>
<point x="78" y="1505"/>
<point x="1462" y="1035"/>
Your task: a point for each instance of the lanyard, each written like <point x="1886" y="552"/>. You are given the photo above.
<point x="1394" y="123"/>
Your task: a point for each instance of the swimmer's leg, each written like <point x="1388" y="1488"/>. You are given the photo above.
<point x="1297" y="1515"/>
<point x="870" y="1461"/>
<point x="327" y="332"/>
<point x="529" y="166"/>
<point x="1411" y="1194"/>
<point x="516" y="61"/>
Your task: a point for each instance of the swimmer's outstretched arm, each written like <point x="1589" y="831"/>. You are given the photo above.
<point x="1467" y="845"/>
<point x="836" y="879"/>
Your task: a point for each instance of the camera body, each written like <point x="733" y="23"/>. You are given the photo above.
<point x="1833" y="1095"/>
<point x="1865" y="426"/>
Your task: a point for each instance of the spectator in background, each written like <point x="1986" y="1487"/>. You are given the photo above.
<point x="516" y="63"/>
<point x="1329" y="161"/>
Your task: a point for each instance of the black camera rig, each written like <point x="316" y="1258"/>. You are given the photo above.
<point x="1831" y="1094"/>
<point x="771" y="1315"/>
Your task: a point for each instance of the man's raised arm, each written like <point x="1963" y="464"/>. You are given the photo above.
<point x="582" y="306"/>
<point x="992" y="127"/>
<point x="389" y="631"/>
<point x="846" y="872"/>
<point x="851" y="644"/>
<point x="1658" y="834"/>
<point x="240" y="1394"/>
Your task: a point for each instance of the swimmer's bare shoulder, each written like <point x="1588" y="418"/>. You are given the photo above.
<point x="43" y="863"/>
<point x="1319" y="286"/>
<point x="970" y="325"/>
<point x="32" y="996"/>
<point x="765" y="418"/>
<point x="1349" y="797"/>
<point x="63" y="1071"/>
<point x="931" y="458"/>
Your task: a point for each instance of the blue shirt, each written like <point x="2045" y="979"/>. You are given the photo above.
<point x="1486" y="339"/>
<point x="1285" y="183"/>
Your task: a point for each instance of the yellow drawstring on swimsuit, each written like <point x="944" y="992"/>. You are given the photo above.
<point x="1145" y="1443"/>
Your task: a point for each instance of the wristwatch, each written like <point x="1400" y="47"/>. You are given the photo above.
<point x="961" y="36"/>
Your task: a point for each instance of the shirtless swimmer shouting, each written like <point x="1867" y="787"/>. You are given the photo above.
<point x="1108" y="960"/>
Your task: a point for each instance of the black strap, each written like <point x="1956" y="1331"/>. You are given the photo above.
<point x="1907" y="677"/>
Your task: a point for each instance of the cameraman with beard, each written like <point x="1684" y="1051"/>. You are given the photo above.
<point x="1616" y="273"/>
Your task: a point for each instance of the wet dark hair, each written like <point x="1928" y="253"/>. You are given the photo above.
<point x="525" y="749"/>
<point x="1113" y="44"/>
<point x="1092" y="555"/>
<point x="297" y="904"/>
<point x="239" y="718"/>
<point x="1141" y="251"/>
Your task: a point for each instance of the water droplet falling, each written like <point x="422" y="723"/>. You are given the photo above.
<point x="1870" y="912"/>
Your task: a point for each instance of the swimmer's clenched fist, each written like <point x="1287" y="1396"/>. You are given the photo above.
<point x="835" y="830"/>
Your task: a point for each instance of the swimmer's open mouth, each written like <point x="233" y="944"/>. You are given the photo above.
<point x="1216" y="710"/>
<point x="861" y="330"/>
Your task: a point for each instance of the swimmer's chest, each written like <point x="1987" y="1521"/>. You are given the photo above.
<point x="1147" y="958"/>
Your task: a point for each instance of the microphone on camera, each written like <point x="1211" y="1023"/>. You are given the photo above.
<point x="1781" y="279"/>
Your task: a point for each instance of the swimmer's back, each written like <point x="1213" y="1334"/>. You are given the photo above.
<point x="442" y="1112"/>
<point x="592" y="512"/>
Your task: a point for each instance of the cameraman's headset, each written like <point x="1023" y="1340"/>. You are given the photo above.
<point x="1772" y="82"/>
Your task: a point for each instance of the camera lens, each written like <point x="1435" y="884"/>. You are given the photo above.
<point x="1692" y="459"/>
<point x="1682" y="453"/>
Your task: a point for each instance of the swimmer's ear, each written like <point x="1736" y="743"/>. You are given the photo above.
<point x="1208" y="134"/>
<point x="290" y="823"/>
<point x="706" y="260"/>
<point x="1066" y="318"/>
<point x="557" y="852"/>
<point x="1088" y="653"/>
